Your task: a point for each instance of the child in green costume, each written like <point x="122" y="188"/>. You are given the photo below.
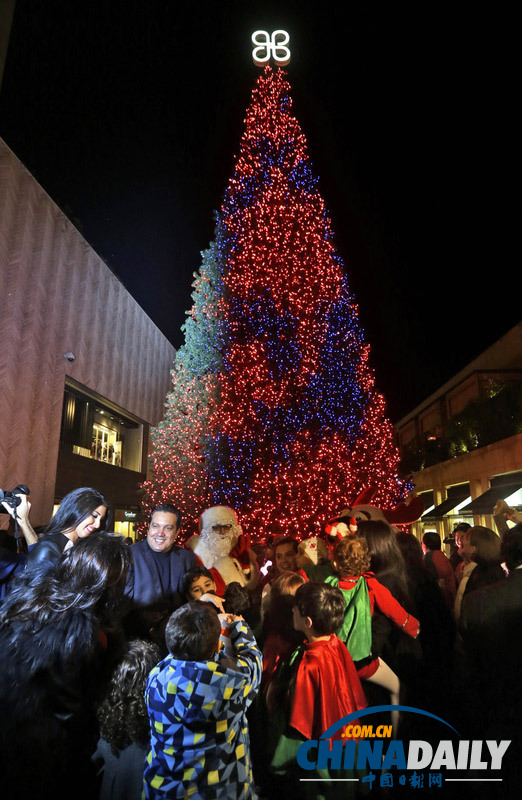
<point x="362" y="593"/>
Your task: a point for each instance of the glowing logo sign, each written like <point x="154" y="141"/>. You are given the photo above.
<point x="268" y="47"/>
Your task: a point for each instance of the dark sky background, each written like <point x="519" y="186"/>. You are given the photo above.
<point x="130" y="113"/>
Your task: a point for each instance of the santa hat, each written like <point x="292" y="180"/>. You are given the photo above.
<point x="219" y="515"/>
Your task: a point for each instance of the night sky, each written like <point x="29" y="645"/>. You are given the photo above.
<point x="130" y="113"/>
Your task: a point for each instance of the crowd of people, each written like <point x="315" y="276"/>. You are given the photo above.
<point x="158" y="670"/>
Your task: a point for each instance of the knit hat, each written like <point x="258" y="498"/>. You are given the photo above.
<point x="315" y="549"/>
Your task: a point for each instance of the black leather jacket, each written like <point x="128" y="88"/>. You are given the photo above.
<point x="47" y="550"/>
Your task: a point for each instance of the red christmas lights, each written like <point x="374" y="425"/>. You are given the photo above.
<point x="288" y="428"/>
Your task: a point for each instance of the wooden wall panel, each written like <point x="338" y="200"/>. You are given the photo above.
<point x="58" y="296"/>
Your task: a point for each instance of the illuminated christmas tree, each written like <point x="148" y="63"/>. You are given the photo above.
<point x="299" y="429"/>
<point x="273" y="409"/>
<point x="181" y="440"/>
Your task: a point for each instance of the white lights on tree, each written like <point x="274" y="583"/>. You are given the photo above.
<point x="270" y="46"/>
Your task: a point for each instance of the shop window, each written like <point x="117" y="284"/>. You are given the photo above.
<point x="92" y="428"/>
<point x="105" y="445"/>
<point x="125" y="520"/>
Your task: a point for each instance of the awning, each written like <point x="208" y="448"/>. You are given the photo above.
<point x="447" y="505"/>
<point x="485" y="503"/>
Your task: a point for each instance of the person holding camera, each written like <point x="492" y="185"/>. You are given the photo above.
<point x="18" y="506"/>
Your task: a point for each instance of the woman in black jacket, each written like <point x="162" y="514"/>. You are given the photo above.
<point x="80" y="513"/>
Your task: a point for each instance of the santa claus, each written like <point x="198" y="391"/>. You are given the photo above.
<point x="222" y="547"/>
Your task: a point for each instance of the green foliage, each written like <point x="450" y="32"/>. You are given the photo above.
<point x="489" y="419"/>
<point x="203" y="328"/>
<point x="486" y="420"/>
<point x="181" y="439"/>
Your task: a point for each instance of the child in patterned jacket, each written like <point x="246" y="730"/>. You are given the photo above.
<point x="197" y="706"/>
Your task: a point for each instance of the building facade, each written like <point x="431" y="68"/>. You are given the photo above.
<point x="463" y="445"/>
<point x="83" y="370"/>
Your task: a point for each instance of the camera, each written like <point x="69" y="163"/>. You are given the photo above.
<point x="12" y="499"/>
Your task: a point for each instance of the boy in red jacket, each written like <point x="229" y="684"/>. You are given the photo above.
<point x="321" y="686"/>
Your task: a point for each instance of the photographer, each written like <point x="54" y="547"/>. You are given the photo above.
<point x="12" y="563"/>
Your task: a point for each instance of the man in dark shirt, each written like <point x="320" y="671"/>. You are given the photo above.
<point x="456" y="555"/>
<point x="159" y="566"/>
<point x="436" y="562"/>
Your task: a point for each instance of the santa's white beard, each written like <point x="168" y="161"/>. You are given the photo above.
<point x="218" y="544"/>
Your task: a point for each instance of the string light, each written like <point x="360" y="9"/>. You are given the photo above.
<point x="274" y="409"/>
<point x="181" y="440"/>
<point x="299" y="424"/>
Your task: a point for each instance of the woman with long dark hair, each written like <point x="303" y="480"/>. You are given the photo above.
<point x="386" y="560"/>
<point x="54" y="629"/>
<point x="399" y="651"/>
<point x="80" y="513"/>
<point x="437" y="633"/>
